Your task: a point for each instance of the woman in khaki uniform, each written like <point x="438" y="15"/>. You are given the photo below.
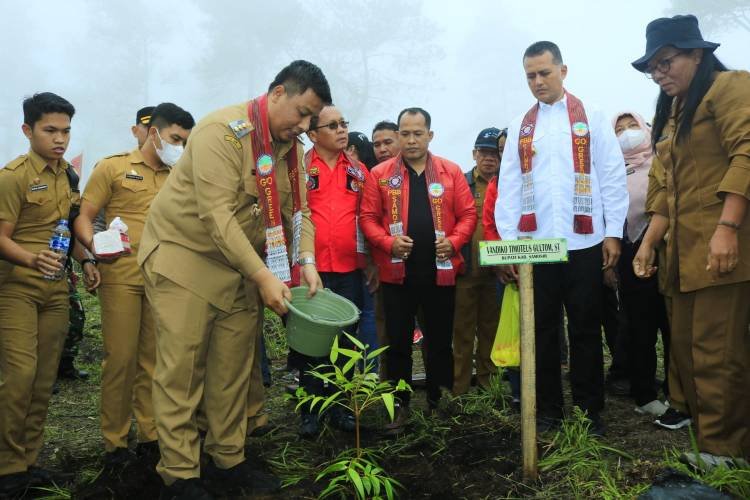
<point x="701" y="136"/>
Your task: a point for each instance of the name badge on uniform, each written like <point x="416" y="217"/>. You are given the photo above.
<point x="134" y="177"/>
<point x="39" y="187"/>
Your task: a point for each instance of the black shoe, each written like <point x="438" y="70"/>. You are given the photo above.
<point x="618" y="387"/>
<point x="185" y="489"/>
<point x="118" y="458"/>
<point x="596" y="426"/>
<point x="342" y="420"/>
<point x="673" y="419"/>
<point x="244" y="477"/>
<point x="310" y="426"/>
<point x="149" y="449"/>
<point x="262" y="431"/>
<point x="67" y="370"/>
<point x="15" y="484"/>
<point x="45" y="477"/>
<point x="547" y="424"/>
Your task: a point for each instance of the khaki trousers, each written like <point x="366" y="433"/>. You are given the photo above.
<point x="256" y="395"/>
<point x="676" y="394"/>
<point x="711" y="346"/>
<point x="128" y="364"/>
<point x="476" y="317"/>
<point x="201" y="356"/>
<point x="33" y="325"/>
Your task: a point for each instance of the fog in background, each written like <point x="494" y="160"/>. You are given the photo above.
<point x="459" y="60"/>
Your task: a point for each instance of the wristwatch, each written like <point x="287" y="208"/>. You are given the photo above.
<point x="86" y="261"/>
<point x="306" y="260"/>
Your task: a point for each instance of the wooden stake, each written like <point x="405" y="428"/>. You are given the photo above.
<point x="528" y="372"/>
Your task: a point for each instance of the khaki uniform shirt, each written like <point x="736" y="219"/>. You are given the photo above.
<point x="479" y="190"/>
<point x="34" y="197"/>
<point x="691" y="177"/>
<point x="124" y="186"/>
<point x="206" y="220"/>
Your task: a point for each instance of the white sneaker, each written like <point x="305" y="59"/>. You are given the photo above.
<point x="708" y="461"/>
<point x="655" y="408"/>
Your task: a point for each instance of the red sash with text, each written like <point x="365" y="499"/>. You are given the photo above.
<point x="581" y="146"/>
<point x="436" y="191"/>
<point x="277" y="257"/>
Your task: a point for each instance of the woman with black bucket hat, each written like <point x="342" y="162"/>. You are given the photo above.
<point x="700" y="186"/>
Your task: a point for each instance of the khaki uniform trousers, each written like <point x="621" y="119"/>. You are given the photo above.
<point x="33" y="325"/>
<point x="128" y="364"/>
<point x="201" y="356"/>
<point x="712" y="354"/>
<point x="476" y="317"/>
<point x="256" y="394"/>
<point x="676" y="394"/>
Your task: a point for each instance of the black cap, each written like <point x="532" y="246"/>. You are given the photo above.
<point x="143" y="116"/>
<point x="487" y="138"/>
<point x="681" y="32"/>
<point x="358" y="140"/>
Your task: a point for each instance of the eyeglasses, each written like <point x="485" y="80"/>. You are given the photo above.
<point x="334" y="125"/>
<point x="662" y="66"/>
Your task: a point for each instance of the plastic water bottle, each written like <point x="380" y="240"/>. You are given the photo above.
<point x="60" y="243"/>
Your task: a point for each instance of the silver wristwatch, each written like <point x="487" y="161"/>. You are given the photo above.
<point x="306" y="260"/>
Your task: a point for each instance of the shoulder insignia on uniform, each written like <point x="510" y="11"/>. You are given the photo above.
<point x="14" y="164"/>
<point x="116" y="155"/>
<point x="232" y="139"/>
<point x="240" y="128"/>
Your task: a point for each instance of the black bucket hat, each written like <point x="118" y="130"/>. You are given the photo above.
<point x="681" y="32"/>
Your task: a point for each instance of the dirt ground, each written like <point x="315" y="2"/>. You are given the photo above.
<point x="463" y="452"/>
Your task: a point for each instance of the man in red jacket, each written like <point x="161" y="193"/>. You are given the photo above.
<point x="417" y="214"/>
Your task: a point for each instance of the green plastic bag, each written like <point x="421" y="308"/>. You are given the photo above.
<point x="506" y="350"/>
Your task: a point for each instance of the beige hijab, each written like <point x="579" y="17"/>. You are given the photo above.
<point x="637" y="164"/>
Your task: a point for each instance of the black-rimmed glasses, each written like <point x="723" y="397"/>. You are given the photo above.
<point x="334" y="125"/>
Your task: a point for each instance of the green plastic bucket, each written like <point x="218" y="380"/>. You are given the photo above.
<point x="313" y="323"/>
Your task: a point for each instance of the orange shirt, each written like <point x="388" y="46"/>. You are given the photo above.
<point x="332" y="196"/>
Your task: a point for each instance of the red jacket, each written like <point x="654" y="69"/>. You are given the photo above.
<point x="460" y="215"/>
<point x="488" y="212"/>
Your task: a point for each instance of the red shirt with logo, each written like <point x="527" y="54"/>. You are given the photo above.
<point x="332" y="196"/>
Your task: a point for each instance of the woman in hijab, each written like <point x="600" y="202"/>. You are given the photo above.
<point x="644" y="306"/>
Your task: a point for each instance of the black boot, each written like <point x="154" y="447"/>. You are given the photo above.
<point x="244" y="477"/>
<point x="12" y="485"/>
<point x="185" y="489"/>
<point x="67" y="370"/>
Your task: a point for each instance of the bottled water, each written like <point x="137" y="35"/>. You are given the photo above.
<point x="60" y="243"/>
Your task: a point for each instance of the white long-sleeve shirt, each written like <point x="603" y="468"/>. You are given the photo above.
<point x="553" y="177"/>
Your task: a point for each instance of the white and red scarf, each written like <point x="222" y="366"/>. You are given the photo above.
<point x="580" y="135"/>
<point x="277" y="257"/>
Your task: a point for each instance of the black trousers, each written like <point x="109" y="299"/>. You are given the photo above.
<point x="646" y="315"/>
<point x="615" y="324"/>
<point x="577" y="285"/>
<point x="437" y="303"/>
<point x="348" y="285"/>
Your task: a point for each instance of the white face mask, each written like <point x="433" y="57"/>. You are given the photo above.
<point x="631" y="139"/>
<point x="169" y="153"/>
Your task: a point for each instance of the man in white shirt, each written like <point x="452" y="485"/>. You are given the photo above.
<point x="563" y="176"/>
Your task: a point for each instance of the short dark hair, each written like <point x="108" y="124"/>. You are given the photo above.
<point x="416" y="111"/>
<point x="385" y="125"/>
<point x="539" y="48"/>
<point x="166" y="114"/>
<point x="42" y="103"/>
<point x="302" y="75"/>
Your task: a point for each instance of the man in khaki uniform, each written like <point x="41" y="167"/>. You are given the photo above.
<point x="205" y="234"/>
<point x="36" y="191"/>
<point x="124" y="185"/>
<point x="477" y="306"/>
